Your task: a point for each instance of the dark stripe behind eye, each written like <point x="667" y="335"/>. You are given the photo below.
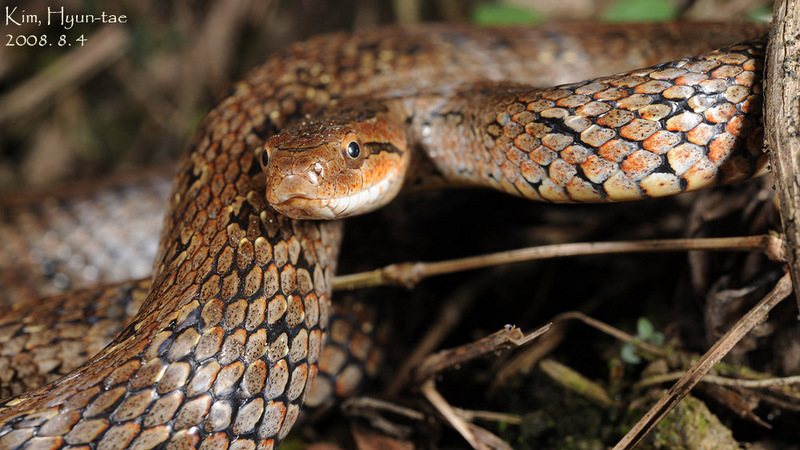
<point x="380" y="147"/>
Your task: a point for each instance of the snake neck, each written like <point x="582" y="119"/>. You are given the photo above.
<point x="685" y="125"/>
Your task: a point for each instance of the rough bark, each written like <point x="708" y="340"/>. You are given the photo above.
<point x="782" y="124"/>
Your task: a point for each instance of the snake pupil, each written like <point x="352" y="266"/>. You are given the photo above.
<point x="264" y="158"/>
<point x="353" y="150"/>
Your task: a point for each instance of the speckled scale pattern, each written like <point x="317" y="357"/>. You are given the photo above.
<point x="353" y="353"/>
<point x="684" y="125"/>
<point x="223" y="349"/>
<point x="44" y="339"/>
<point x="67" y="239"/>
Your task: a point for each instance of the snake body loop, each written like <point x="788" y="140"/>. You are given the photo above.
<point x="678" y="126"/>
<point x="226" y="343"/>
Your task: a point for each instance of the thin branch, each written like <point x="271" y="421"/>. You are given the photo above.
<point x="429" y="391"/>
<point x="437" y="362"/>
<point x="490" y="416"/>
<point x="410" y="273"/>
<point x="612" y="331"/>
<point x="370" y="409"/>
<point x="722" y="381"/>
<point x="376" y="404"/>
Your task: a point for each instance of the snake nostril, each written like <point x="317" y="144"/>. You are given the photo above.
<point x="315" y="173"/>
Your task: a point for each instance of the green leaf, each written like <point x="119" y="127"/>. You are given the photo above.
<point x="627" y="354"/>
<point x="761" y="13"/>
<point x="500" y="14"/>
<point x="644" y="329"/>
<point x="641" y="11"/>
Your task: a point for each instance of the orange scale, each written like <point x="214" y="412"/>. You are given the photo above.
<point x="691" y="79"/>
<point x="561" y="172"/>
<point x="531" y="171"/>
<point x="581" y="191"/>
<point x="701" y="134"/>
<point x="509" y="170"/>
<point x="640" y="164"/>
<point x="598" y="169"/>
<point x="701" y="175"/>
<point x="739" y="126"/>
<point x="620" y="188"/>
<point x="720" y="113"/>
<point x="526" y="142"/>
<point x="543" y="156"/>
<point x="683" y="122"/>
<point x="720" y="148"/>
<point x="639" y="129"/>
<point x="575" y="154"/>
<point x="661" y="184"/>
<point x="616" y="150"/>
<point x="684" y="156"/>
<point x="550" y="192"/>
<point x="726" y="71"/>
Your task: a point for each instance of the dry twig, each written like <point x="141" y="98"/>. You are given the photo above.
<point x="410" y="273"/>
<point x="451" y="357"/>
<point x="722" y="381"/>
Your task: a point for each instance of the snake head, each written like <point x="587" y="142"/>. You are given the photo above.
<point x="336" y="166"/>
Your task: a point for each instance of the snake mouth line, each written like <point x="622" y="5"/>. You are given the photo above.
<point x="312" y="204"/>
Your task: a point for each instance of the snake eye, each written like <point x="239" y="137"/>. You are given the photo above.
<point x="264" y="158"/>
<point x="353" y="150"/>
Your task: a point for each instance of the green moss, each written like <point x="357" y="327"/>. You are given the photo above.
<point x="690" y="425"/>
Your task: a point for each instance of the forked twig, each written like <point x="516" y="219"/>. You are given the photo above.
<point x="430" y="366"/>
<point x="429" y="391"/>
<point x="477" y="437"/>
<point x="451" y="357"/>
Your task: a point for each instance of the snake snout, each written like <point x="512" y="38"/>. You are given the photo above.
<point x="315" y="173"/>
<point x="292" y="187"/>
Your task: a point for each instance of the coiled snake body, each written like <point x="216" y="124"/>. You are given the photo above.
<point x="226" y="344"/>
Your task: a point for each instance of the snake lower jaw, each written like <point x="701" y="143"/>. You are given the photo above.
<point x="303" y="209"/>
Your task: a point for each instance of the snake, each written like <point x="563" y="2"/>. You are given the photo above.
<point x="226" y="344"/>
